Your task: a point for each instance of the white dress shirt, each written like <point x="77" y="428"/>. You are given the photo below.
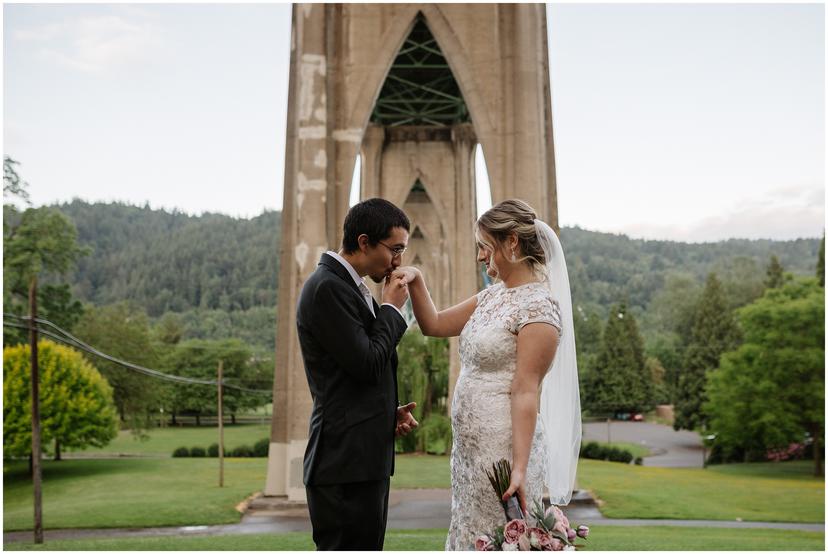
<point x="360" y="283"/>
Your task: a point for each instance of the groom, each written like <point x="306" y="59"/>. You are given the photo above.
<point x="348" y="344"/>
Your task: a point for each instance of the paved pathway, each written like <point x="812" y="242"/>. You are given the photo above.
<point x="669" y="448"/>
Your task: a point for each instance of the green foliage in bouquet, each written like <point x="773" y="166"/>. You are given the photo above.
<point x="500" y="476"/>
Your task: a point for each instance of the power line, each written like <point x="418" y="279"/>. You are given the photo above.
<point x="80" y="345"/>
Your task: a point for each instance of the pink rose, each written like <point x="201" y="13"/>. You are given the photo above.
<point x="557" y="545"/>
<point x="570" y="534"/>
<point x="523" y="543"/>
<point x="559" y="515"/>
<point x="536" y="535"/>
<point x="514" y="530"/>
<point x="483" y="543"/>
<point x="583" y="531"/>
<point x="560" y="527"/>
<point x="545" y="541"/>
<point x="556" y="512"/>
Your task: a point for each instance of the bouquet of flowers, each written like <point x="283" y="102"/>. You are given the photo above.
<point x="500" y="477"/>
<point x="547" y="529"/>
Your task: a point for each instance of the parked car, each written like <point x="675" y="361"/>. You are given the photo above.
<point x="629" y="416"/>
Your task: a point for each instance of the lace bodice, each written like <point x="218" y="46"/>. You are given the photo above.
<point x="481" y="407"/>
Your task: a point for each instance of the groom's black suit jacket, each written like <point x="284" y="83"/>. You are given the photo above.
<point x="351" y="365"/>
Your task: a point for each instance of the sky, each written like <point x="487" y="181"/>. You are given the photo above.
<point x="692" y="122"/>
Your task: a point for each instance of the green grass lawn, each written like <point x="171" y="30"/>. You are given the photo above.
<point x="131" y="492"/>
<point x="145" y="492"/>
<point x="601" y="538"/>
<point x="753" y="492"/>
<point x="162" y="442"/>
<point x="421" y="471"/>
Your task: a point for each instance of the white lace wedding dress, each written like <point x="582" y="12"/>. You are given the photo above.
<point x="481" y="409"/>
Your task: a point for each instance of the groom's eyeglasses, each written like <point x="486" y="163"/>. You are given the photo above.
<point x="398" y="251"/>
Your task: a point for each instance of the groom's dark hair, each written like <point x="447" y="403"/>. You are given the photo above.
<point x="374" y="217"/>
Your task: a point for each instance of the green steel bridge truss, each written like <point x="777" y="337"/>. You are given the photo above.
<point x="420" y="88"/>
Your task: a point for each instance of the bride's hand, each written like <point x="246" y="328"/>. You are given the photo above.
<point x="517" y="483"/>
<point x="407" y="273"/>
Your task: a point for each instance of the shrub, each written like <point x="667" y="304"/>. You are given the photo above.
<point x="181" y="452"/>
<point x="197" y="452"/>
<point x="436" y="434"/>
<point x="594" y="451"/>
<point x="242" y="451"/>
<point x="619" y="455"/>
<point x="213" y="451"/>
<point x="261" y="448"/>
<point x="639" y="461"/>
<point x="597" y="451"/>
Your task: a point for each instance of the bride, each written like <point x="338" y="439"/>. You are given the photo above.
<point x="517" y="394"/>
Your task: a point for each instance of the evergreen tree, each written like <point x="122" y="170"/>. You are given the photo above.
<point x="658" y="374"/>
<point x="714" y="332"/>
<point x="669" y="322"/>
<point x="587" y="333"/>
<point x="587" y="325"/>
<point x="775" y="274"/>
<point x="820" y="268"/>
<point x="620" y="380"/>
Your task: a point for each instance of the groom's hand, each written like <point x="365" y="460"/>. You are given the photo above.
<point x="394" y="291"/>
<point x="405" y="419"/>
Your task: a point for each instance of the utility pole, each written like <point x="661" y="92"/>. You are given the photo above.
<point x="609" y="438"/>
<point x="220" y="425"/>
<point x="36" y="473"/>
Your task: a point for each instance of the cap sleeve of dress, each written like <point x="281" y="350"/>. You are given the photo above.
<point x="537" y="307"/>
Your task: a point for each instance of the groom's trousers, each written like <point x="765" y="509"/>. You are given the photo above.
<point x="349" y="516"/>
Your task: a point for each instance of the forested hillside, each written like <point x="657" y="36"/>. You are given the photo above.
<point x="220" y="273"/>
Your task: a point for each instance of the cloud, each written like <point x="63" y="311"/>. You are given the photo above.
<point x="94" y="43"/>
<point x="783" y="214"/>
<point x="40" y="33"/>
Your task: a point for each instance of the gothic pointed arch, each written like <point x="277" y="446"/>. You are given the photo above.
<point x="420" y="88"/>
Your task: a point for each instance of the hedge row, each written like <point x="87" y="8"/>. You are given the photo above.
<point x="589" y="450"/>
<point x="259" y="450"/>
<point x="597" y="451"/>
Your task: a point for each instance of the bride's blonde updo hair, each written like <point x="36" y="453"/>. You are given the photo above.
<point x="518" y="217"/>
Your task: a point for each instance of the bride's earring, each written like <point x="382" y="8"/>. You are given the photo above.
<point x="514" y="259"/>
